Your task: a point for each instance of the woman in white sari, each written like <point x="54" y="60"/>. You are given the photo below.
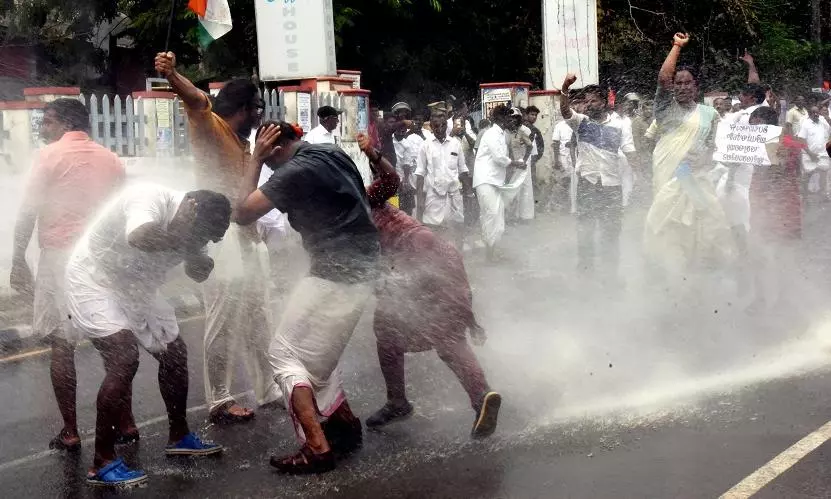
<point x="685" y="222"/>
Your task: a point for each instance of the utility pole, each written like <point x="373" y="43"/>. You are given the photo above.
<point x="816" y="36"/>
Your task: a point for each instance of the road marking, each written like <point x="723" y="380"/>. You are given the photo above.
<point x="779" y="464"/>
<point x="91" y="439"/>
<point x="43" y="351"/>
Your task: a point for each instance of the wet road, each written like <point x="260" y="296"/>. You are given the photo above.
<point x="608" y="392"/>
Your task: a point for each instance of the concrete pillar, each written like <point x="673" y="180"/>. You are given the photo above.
<point x="21" y="122"/>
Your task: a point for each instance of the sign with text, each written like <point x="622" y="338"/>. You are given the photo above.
<point x="304" y="111"/>
<point x="747" y="144"/>
<point x="295" y="39"/>
<point x="492" y="97"/>
<point x="570" y="42"/>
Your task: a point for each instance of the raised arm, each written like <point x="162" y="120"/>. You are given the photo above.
<point x="251" y="203"/>
<point x="565" y="102"/>
<point x="666" y="75"/>
<point x="752" y="71"/>
<point x="386" y="185"/>
<point x="192" y="97"/>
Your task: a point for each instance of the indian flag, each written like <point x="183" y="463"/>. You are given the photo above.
<point x="214" y="18"/>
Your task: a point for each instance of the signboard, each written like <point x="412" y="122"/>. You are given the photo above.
<point x="304" y="111"/>
<point x="295" y="39"/>
<point x="747" y="144"/>
<point x="492" y="97"/>
<point x="570" y="42"/>
<point x="355" y="77"/>
<point x="363" y="114"/>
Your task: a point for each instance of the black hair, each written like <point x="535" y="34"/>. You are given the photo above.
<point x="500" y="112"/>
<point x="691" y="70"/>
<point x="756" y="91"/>
<point x="767" y="115"/>
<point x="234" y="97"/>
<point x="70" y="112"/>
<point x="213" y="212"/>
<point x="596" y="90"/>
<point x="484" y="123"/>
<point x="532" y="109"/>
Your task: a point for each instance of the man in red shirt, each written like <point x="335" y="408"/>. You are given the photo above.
<point x="70" y="180"/>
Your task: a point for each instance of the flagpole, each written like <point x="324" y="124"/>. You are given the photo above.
<point x="170" y="24"/>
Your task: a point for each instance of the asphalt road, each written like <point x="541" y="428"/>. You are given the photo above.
<point x="642" y="391"/>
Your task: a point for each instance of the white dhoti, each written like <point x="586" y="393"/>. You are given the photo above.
<point x="236" y="324"/>
<point x="493" y="200"/>
<point x="444" y="209"/>
<point x="50" y="313"/>
<point x="523" y="205"/>
<point x="100" y="310"/>
<point x="318" y="322"/>
<point x="734" y="196"/>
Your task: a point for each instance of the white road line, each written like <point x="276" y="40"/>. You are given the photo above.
<point x="779" y="464"/>
<point x="89" y="440"/>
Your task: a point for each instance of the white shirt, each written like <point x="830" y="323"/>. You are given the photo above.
<point x="816" y="135"/>
<point x="599" y="146"/>
<point x="441" y="163"/>
<point x="743" y="117"/>
<point x="320" y="135"/>
<point x="492" y="160"/>
<point x="104" y="254"/>
<point x="272" y="225"/>
<point x="563" y="134"/>
<point x="406" y="152"/>
<point x="795" y="117"/>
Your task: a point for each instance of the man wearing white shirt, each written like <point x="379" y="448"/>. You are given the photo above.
<point x="816" y="132"/>
<point x="489" y="175"/>
<point x="797" y="114"/>
<point x="407" y="146"/>
<point x="752" y="98"/>
<point x="600" y="142"/>
<point x="564" y="143"/>
<point x="329" y="118"/>
<point x="440" y="173"/>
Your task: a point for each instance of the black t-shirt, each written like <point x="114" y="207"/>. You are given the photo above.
<point x="323" y="195"/>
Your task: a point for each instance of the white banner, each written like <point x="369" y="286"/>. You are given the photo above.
<point x="747" y="144"/>
<point x="295" y="39"/>
<point x="570" y="42"/>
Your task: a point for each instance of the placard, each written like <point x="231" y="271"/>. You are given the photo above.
<point x="304" y="111"/>
<point x="492" y="97"/>
<point x="747" y="144"/>
<point x="570" y="42"/>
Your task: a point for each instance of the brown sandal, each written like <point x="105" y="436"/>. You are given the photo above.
<point x="304" y="462"/>
<point x="223" y="416"/>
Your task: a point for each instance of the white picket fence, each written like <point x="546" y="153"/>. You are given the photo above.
<point x="122" y="126"/>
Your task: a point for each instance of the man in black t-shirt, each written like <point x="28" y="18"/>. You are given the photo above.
<point x="321" y="191"/>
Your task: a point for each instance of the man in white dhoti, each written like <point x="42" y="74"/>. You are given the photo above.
<point x="112" y="295"/>
<point x="321" y="191"/>
<point x="441" y="177"/>
<point x="490" y="172"/>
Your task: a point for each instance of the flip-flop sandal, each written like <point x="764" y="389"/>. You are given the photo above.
<point x="127" y="438"/>
<point x="116" y="474"/>
<point x="485" y="423"/>
<point x="192" y="445"/>
<point x="222" y="416"/>
<point x="58" y="443"/>
<point x="304" y="462"/>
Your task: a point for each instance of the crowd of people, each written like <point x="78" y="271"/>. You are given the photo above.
<point x="439" y="185"/>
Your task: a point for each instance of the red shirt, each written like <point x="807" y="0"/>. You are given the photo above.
<point x="70" y="180"/>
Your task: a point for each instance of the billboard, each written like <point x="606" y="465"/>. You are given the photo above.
<point x="570" y="42"/>
<point x="295" y="39"/>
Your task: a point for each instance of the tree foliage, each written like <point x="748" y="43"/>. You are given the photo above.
<point x="425" y="49"/>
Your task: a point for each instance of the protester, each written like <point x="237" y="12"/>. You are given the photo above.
<point x="796" y="114"/>
<point x="600" y="141"/>
<point x="816" y="132"/>
<point x="321" y="191"/>
<point x="484" y="124"/>
<point x="529" y="118"/>
<point x="427" y="274"/>
<point x="776" y="215"/>
<point x="489" y="178"/>
<point x="564" y="145"/>
<point x="752" y="98"/>
<point x="112" y="293"/>
<point x="324" y="133"/>
<point x="521" y="148"/>
<point x="407" y="146"/>
<point x="723" y="106"/>
<point x="685" y="222"/>
<point x="70" y="180"/>
<point x="234" y="296"/>
<point x="442" y="179"/>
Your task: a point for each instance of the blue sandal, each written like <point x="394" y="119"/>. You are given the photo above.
<point x="116" y="474"/>
<point x="192" y="445"/>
